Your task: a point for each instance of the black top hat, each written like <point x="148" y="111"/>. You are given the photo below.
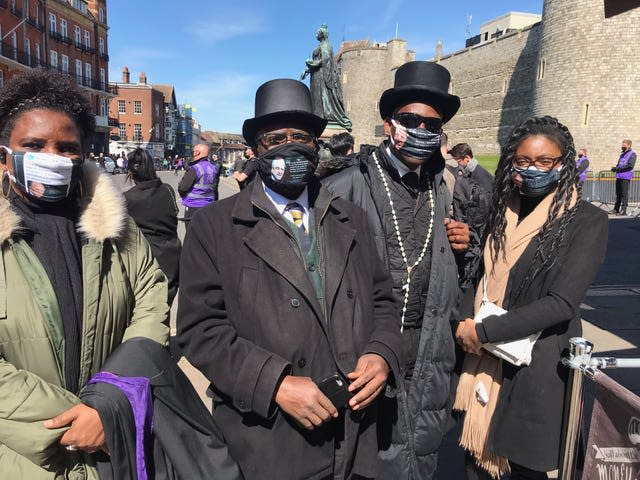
<point x="282" y="100"/>
<point x="425" y="82"/>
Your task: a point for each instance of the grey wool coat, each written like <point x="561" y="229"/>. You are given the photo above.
<point x="248" y="314"/>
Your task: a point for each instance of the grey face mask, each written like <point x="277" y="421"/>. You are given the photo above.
<point x="415" y="142"/>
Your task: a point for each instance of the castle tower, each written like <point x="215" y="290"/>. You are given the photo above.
<point x="588" y="73"/>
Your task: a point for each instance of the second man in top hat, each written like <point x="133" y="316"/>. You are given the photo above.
<point x="401" y="187"/>
<point x="287" y="309"/>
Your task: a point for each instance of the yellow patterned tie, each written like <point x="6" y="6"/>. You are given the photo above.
<point x="296" y="212"/>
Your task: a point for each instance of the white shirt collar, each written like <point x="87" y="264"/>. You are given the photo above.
<point x="399" y="166"/>
<point x="281" y="202"/>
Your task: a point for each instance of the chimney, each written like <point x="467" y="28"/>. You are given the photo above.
<point x="143" y="79"/>
<point x="125" y="75"/>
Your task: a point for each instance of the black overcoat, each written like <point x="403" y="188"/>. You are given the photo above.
<point x="526" y="425"/>
<point x="248" y="314"/>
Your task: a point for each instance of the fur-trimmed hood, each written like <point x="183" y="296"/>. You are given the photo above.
<point x="103" y="210"/>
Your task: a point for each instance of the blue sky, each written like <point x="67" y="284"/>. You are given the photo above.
<point x="216" y="53"/>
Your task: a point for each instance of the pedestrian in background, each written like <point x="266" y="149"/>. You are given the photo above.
<point x="342" y="155"/>
<point x="152" y="205"/>
<point x="198" y="186"/>
<point x="544" y="249"/>
<point x="624" y="174"/>
<point x="582" y="163"/>
<point x="249" y="169"/>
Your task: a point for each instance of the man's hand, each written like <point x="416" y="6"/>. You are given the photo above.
<point x="467" y="337"/>
<point x="458" y="235"/>
<point x="85" y="432"/>
<point x="303" y="400"/>
<point x="370" y="377"/>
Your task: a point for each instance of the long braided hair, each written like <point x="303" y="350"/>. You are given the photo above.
<point x="553" y="232"/>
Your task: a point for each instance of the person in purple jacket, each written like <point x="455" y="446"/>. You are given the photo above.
<point x="199" y="185"/>
<point x="624" y="174"/>
<point x="583" y="165"/>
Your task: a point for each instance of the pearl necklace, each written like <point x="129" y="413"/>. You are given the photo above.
<point x="405" y="287"/>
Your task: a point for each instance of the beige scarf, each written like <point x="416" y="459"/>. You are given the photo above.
<point x="487" y="369"/>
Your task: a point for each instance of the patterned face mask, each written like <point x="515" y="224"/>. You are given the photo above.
<point x="415" y="142"/>
<point x="536" y="183"/>
<point x="44" y="176"/>
<point x="288" y="169"/>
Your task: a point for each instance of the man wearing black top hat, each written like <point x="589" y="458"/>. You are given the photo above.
<point x="401" y="187"/>
<point x="296" y="329"/>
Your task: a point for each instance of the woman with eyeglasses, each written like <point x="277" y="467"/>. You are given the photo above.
<point x="77" y="280"/>
<point x="543" y="250"/>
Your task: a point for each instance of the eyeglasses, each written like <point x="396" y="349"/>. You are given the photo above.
<point x="539" y="162"/>
<point x="275" y="139"/>
<point x="413" y="120"/>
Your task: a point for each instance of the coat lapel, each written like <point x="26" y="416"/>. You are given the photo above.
<point x="271" y="240"/>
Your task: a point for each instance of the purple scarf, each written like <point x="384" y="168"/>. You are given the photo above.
<point x="138" y="392"/>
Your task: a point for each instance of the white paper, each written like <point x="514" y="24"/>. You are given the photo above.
<point x="517" y="352"/>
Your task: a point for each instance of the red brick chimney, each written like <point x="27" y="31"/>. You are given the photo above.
<point x="125" y="75"/>
<point x="143" y="78"/>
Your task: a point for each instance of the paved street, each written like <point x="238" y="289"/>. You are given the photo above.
<point x="610" y="312"/>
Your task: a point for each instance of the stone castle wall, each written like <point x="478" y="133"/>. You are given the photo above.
<point x="591" y="80"/>
<point x="494" y="81"/>
<point x="366" y="73"/>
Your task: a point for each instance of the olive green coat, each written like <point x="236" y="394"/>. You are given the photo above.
<point x="124" y="296"/>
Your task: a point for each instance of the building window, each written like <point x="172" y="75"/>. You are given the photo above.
<point x="101" y="16"/>
<point x="122" y="106"/>
<point x="103" y="79"/>
<point x="87" y="74"/>
<point x="101" y="46"/>
<point x="505" y="85"/>
<point x="79" y="72"/>
<point x="137" y="132"/>
<point x="53" y="59"/>
<point x="53" y="25"/>
<point x="78" y="35"/>
<point x="87" y="39"/>
<point x="36" y="13"/>
<point x="587" y="113"/>
<point x="156" y="131"/>
<point x="345" y="78"/>
<point x="1" y="78"/>
<point x="103" y="107"/>
<point x="137" y="106"/>
<point x="37" y="52"/>
<point x="541" y="66"/>
<point x="122" y="130"/>
<point x="63" y="28"/>
<point x="65" y="64"/>
<point x="157" y="110"/>
<point x="27" y="50"/>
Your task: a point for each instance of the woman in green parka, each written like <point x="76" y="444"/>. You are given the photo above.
<point x="77" y="279"/>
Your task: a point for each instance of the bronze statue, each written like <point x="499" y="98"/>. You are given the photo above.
<point x="326" y="89"/>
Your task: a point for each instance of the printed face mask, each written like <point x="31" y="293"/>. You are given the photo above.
<point x="288" y="169"/>
<point x="415" y="142"/>
<point x="44" y="176"/>
<point x="536" y="183"/>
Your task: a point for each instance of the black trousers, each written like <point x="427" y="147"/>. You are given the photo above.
<point x="622" y="194"/>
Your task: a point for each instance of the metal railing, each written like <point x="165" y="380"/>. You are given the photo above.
<point x="580" y="364"/>
<point x="601" y="189"/>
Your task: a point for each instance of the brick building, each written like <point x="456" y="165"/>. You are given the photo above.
<point x="65" y="35"/>
<point x="137" y="113"/>
<point x="171" y="118"/>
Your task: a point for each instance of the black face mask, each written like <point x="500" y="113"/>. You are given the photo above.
<point x="288" y="169"/>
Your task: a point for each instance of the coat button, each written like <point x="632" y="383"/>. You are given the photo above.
<point x="302" y="362"/>
<point x="312" y="268"/>
<point x="441" y="249"/>
<point x="349" y="293"/>
<point x="295" y="303"/>
<point x="434" y="312"/>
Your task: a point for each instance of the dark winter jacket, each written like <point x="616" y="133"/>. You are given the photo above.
<point x="249" y="313"/>
<point x="419" y="415"/>
<point x="152" y="205"/>
<point x="527" y="421"/>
